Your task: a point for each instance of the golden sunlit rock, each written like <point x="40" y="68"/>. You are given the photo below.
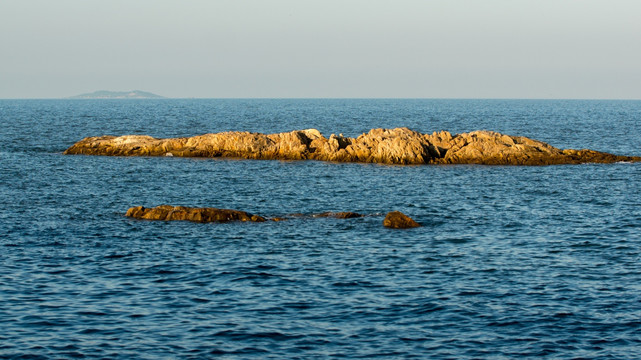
<point x="385" y="146"/>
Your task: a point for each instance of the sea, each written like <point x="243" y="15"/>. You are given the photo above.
<point x="510" y="261"/>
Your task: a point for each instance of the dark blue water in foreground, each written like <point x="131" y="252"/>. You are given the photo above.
<point x="511" y="262"/>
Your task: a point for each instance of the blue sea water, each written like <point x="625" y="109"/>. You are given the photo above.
<point x="511" y="262"/>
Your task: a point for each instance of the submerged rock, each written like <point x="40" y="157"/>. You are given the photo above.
<point x="386" y="146"/>
<point x="168" y="212"/>
<point x="398" y="220"/>
<point x="339" y="215"/>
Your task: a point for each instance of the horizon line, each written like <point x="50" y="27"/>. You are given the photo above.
<point x="326" y="98"/>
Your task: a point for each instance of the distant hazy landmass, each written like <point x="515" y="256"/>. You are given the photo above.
<point x="103" y="94"/>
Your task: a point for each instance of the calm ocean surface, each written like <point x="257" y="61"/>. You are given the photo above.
<point x="512" y="262"/>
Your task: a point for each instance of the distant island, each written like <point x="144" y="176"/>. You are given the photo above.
<point x="103" y="94"/>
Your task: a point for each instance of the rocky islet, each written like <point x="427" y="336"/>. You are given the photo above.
<point x="386" y="146"/>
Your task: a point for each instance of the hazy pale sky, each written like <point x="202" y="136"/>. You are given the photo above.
<point x="329" y="48"/>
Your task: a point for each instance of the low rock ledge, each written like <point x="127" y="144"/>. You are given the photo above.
<point x="168" y="212"/>
<point x="394" y="219"/>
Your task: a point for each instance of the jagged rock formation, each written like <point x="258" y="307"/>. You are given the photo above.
<point x="398" y="220"/>
<point x="168" y="212"/>
<point x="387" y="146"/>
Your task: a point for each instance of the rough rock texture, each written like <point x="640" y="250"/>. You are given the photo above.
<point x="387" y="146"/>
<point x="398" y="220"/>
<point x="168" y="212"/>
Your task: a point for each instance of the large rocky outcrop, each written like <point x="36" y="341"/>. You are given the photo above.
<point x="387" y="146"/>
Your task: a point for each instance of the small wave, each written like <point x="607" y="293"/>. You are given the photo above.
<point x="200" y="300"/>
<point x="243" y="351"/>
<point x="365" y="284"/>
<point x="470" y="293"/>
<point x="241" y="335"/>
<point x="54" y="243"/>
<point x="504" y="323"/>
<point x="166" y="272"/>
<point x="91" y="313"/>
<point x="58" y="272"/>
<point x="46" y="323"/>
<point x="117" y="256"/>
<point x="255" y="275"/>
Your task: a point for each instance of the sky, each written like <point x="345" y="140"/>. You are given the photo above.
<point x="586" y="49"/>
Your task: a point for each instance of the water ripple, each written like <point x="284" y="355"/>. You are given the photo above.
<point x="512" y="262"/>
